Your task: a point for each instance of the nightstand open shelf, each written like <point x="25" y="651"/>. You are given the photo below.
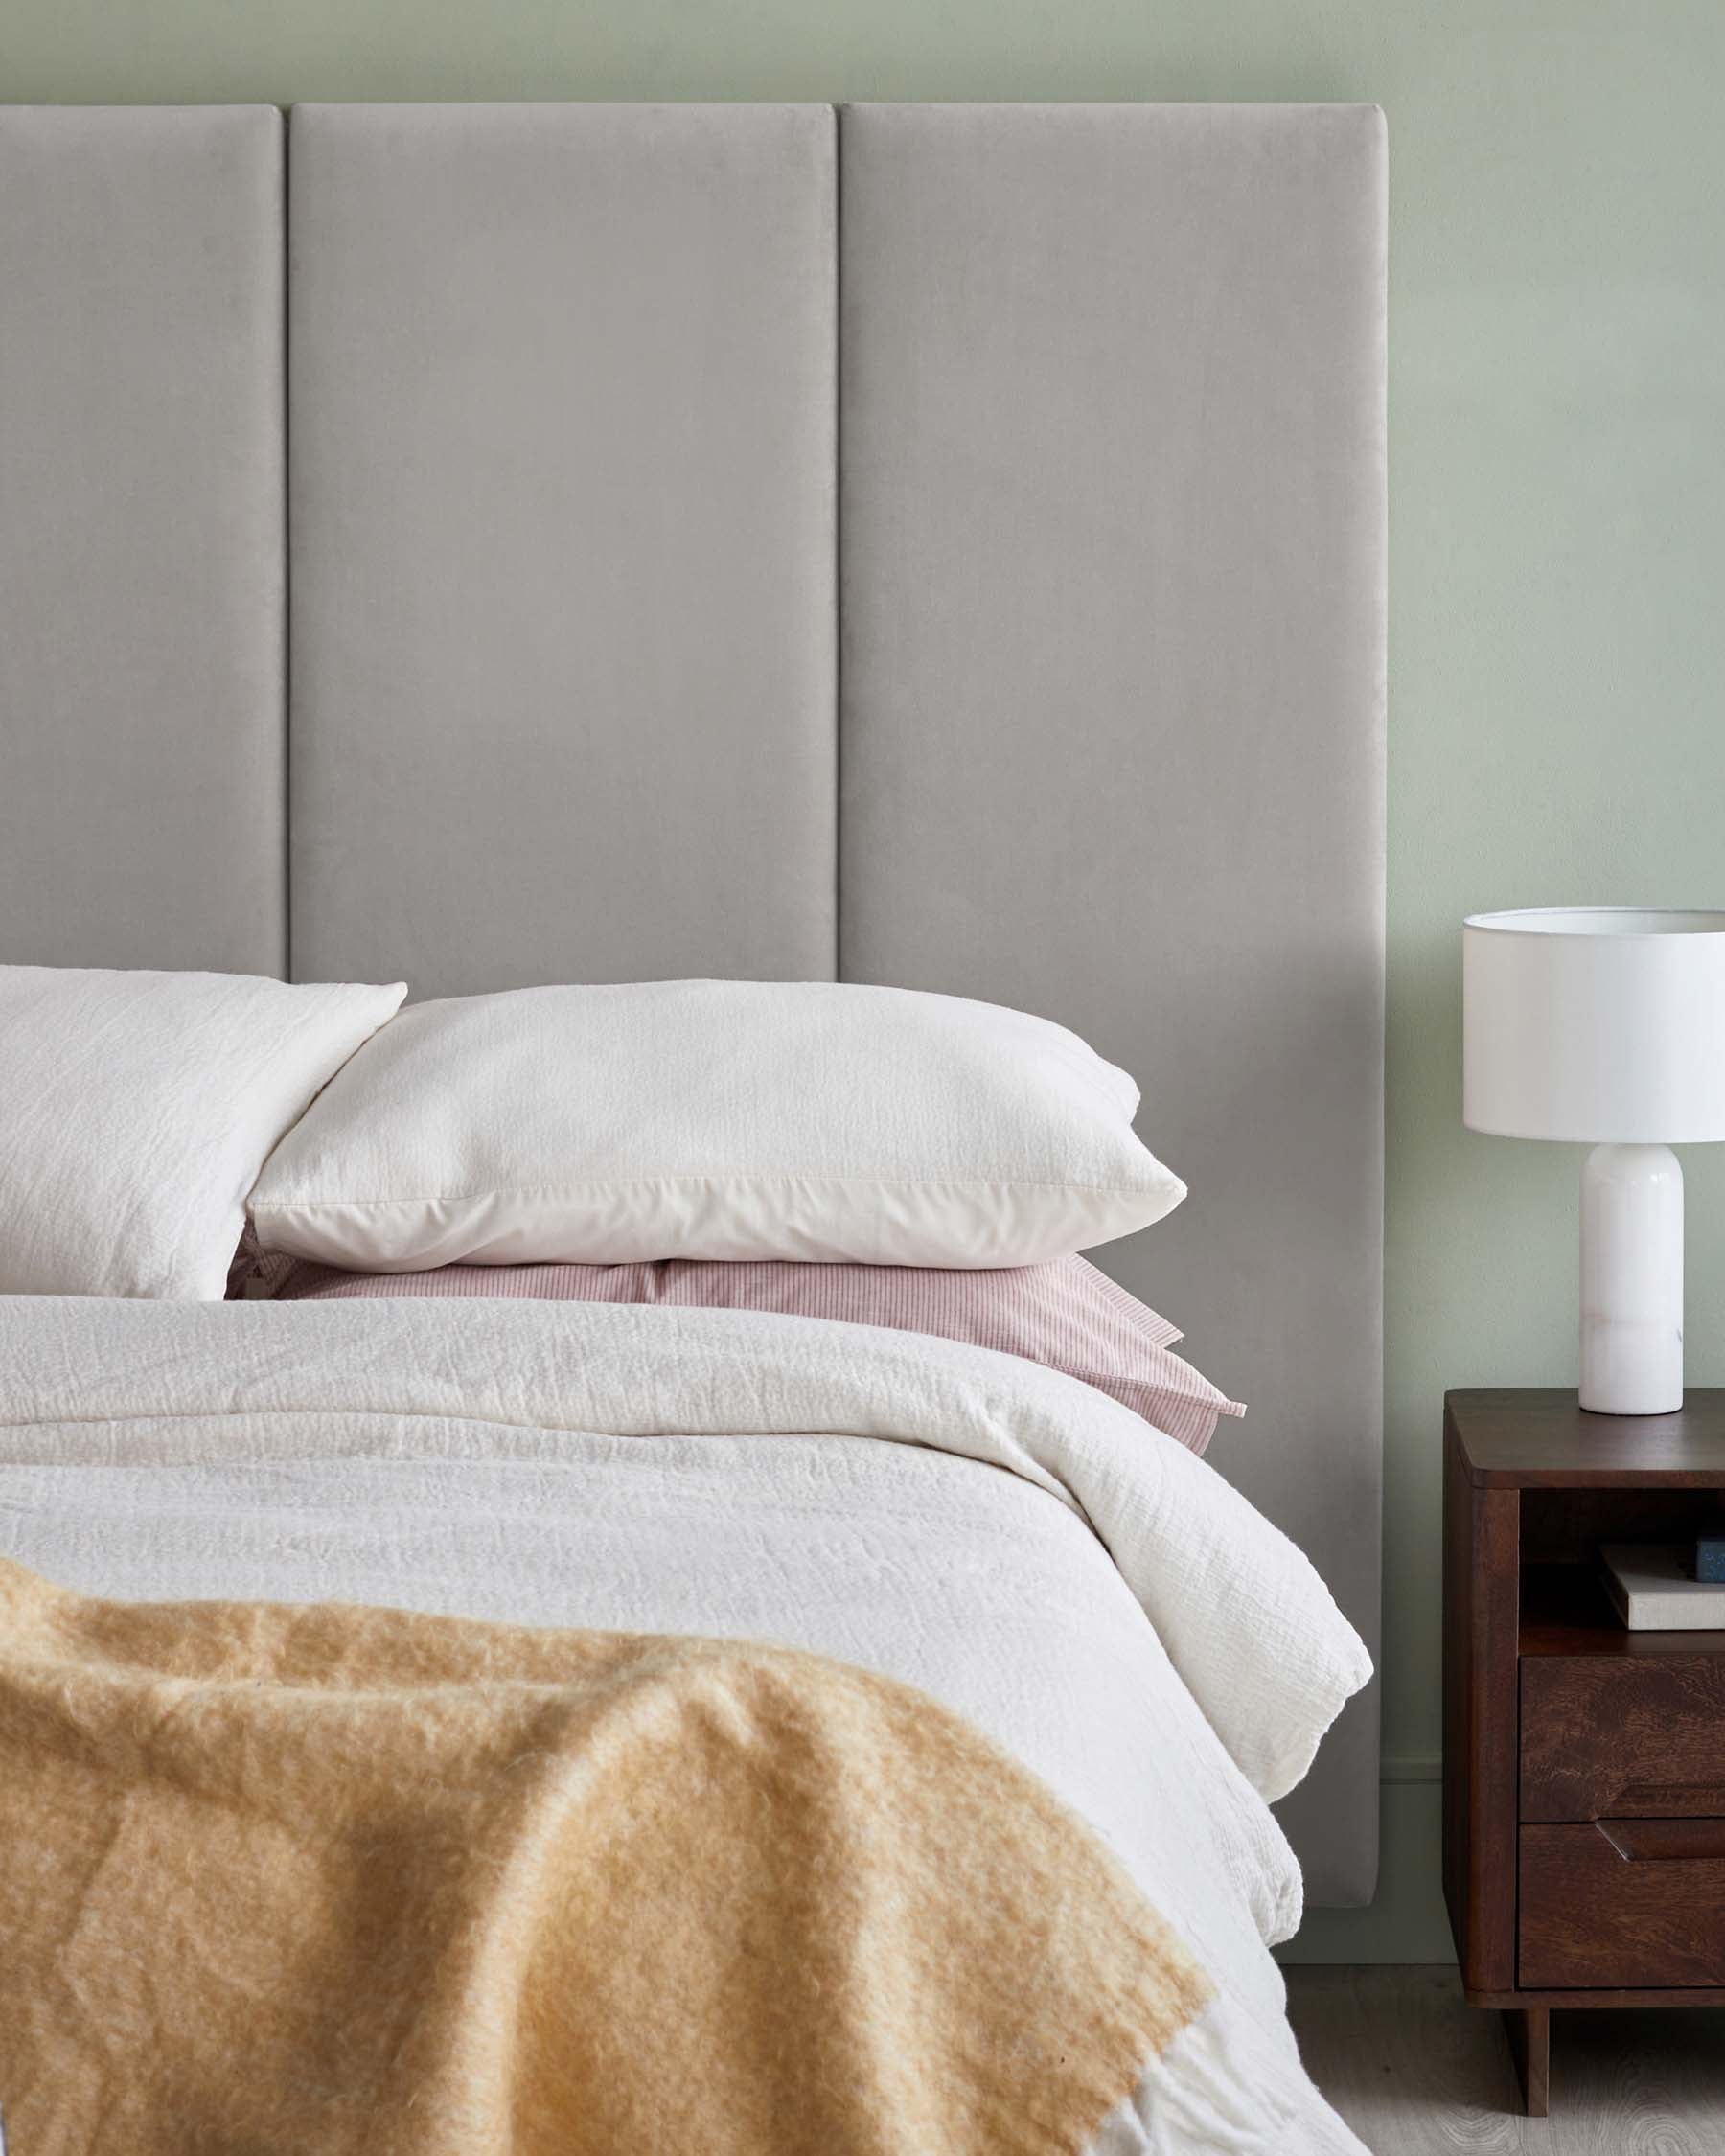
<point x="1565" y="1610"/>
<point x="1584" y="1765"/>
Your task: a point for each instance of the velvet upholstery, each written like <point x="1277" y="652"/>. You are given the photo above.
<point x="1112" y="487"/>
<point x="600" y="417"/>
<point x="560" y="406"/>
<point x="142" y="745"/>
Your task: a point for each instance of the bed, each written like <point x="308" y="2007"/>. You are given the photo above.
<point x="931" y="545"/>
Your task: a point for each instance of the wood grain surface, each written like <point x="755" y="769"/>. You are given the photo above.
<point x="1599" y="1909"/>
<point x="1604" y="1735"/>
<point x="1527" y="1439"/>
<point x="1417" y="2073"/>
<point x="1561" y="1727"/>
<point x="1481" y="1712"/>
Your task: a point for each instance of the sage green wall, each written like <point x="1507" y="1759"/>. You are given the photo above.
<point x="1557" y="432"/>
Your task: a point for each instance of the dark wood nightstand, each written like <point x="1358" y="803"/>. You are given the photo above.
<point x="1583" y="1765"/>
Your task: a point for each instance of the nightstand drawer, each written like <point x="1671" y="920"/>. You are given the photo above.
<point x="1622" y="1735"/>
<point x="1622" y="1904"/>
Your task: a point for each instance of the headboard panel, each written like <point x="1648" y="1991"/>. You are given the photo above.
<point x="140" y="542"/>
<point x="1112" y="482"/>
<point x="596" y="416"/>
<point x="561" y="412"/>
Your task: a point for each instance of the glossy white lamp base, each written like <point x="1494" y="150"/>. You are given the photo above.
<point x="1632" y="1280"/>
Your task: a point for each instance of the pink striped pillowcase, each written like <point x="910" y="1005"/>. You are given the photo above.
<point x="1065" y="1314"/>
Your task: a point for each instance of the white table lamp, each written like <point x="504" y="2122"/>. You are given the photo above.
<point x="1605" y="1026"/>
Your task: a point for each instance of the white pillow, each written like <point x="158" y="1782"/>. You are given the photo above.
<point x="136" y="1109"/>
<point x="713" y="1119"/>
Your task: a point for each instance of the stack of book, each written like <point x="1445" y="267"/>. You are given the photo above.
<point x="1667" y="1586"/>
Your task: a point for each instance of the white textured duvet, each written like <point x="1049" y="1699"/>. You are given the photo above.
<point x="1084" y="1589"/>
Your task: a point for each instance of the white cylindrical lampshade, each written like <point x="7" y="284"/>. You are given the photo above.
<point x="1598" y="1024"/>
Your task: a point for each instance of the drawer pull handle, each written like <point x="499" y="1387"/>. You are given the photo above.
<point x="1665" y="1840"/>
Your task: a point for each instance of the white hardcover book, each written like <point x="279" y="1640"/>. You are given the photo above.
<point x="1655" y="1588"/>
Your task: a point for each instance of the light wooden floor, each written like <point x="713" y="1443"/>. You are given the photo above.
<point x="1417" y="2073"/>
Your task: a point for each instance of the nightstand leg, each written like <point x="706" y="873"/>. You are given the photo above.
<point x="1529" y="2033"/>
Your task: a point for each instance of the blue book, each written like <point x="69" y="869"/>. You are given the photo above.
<point x="1710" y="1557"/>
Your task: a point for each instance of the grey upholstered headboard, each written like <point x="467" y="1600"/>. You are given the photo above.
<point x="932" y="544"/>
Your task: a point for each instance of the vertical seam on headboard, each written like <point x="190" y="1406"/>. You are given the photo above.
<point x="287" y="552"/>
<point x="838" y="542"/>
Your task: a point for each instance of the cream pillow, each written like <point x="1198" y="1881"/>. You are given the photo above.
<point x="713" y="1119"/>
<point x="137" y="1110"/>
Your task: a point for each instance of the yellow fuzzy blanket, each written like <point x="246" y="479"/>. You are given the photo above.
<point x="350" y="1882"/>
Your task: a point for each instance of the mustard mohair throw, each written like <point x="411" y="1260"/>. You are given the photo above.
<point x="350" y="1882"/>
